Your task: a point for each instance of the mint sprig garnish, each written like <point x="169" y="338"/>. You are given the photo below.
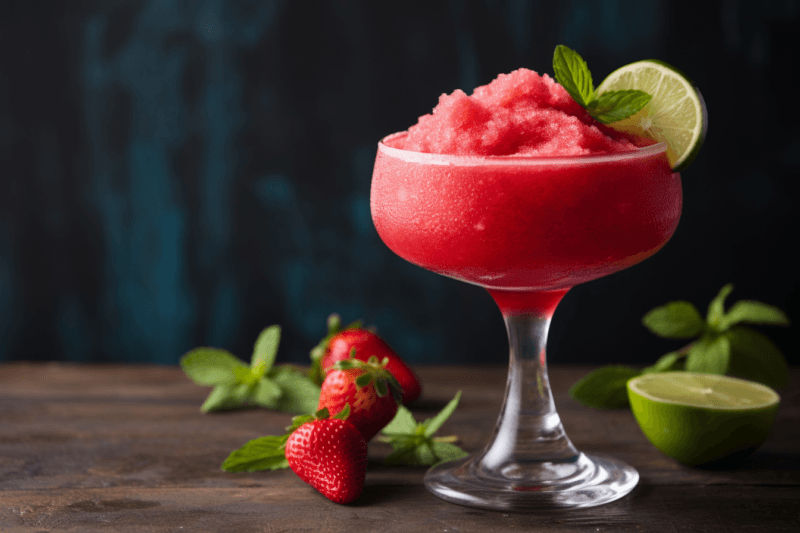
<point x="572" y="73"/>
<point x="414" y="443"/>
<point x="268" y="452"/>
<point x="722" y="344"/>
<point x="238" y="385"/>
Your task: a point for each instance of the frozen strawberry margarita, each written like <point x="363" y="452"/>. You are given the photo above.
<point x="516" y="188"/>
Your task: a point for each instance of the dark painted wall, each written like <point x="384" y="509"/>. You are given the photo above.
<point x="179" y="173"/>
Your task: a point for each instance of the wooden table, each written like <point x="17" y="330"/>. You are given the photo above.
<point x="125" y="448"/>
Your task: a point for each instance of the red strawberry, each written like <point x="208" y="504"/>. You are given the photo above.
<point x="365" y="387"/>
<point x="330" y="455"/>
<point x="339" y="343"/>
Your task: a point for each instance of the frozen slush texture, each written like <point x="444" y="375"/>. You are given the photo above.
<point x="520" y="113"/>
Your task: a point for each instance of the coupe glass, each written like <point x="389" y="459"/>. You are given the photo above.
<point x="526" y="229"/>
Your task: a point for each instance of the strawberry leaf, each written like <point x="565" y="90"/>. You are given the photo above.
<point x="381" y="388"/>
<point x="298" y="421"/>
<point x="263" y="453"/>
<point x="316" y="373"/>
<point x="364" y="379"/>
<point x="344" y="413"/>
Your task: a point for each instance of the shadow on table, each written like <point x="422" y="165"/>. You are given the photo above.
<point x="758" y="461"/>
<point x="388" y="493"/>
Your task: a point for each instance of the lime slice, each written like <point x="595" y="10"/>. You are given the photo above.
<point x="676" y="114"/>
<point x="700" y="418"/>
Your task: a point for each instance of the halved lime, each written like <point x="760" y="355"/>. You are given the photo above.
<point x="676" y="114"/>
<point x="700" y="418"/>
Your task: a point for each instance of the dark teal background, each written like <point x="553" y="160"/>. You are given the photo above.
<point x="179" y="173"/>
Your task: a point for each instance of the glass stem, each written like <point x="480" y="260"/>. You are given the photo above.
<point x="528" y="430"/>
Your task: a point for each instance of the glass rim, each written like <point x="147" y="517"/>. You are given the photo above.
<point x="500" y="160"/>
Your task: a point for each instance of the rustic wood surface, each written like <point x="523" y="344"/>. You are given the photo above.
<point x="125" y="448"/>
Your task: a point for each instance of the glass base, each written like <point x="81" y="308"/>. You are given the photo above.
<point x="585" y="481"/>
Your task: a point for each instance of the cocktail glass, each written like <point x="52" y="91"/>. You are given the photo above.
<point x="527" y="229"/>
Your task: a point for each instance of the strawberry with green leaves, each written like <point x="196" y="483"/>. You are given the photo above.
<point x="340" y="342"/>
<point x="328" y="453"/>
<point x="371" y="391"/>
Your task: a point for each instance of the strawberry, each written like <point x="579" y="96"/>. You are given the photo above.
<point x="329" y="454"/>
<point x="338" y="344"/>
<point x="365" y="387"/>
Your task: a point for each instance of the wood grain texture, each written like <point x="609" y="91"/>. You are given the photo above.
<point x="125" y="448"/>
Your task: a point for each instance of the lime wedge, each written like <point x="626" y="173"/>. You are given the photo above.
<point x="701" y="418"/>
<point x="676" y="114"/>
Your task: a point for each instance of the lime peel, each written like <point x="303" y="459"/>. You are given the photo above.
<point x="675" y="115"/>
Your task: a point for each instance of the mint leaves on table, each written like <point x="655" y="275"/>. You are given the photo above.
<point x="722" y="344"/>
<point x="268" y="452"/>
<point x="605" y="387"/>
<point x="237" y="385"/>
<point x="413" y="443"/>
<point x="573" y="74"/>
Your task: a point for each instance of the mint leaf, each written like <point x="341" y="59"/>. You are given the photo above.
<point x="423" y="454"/>
<point x="413" y="443"/>
<point x="716" y="309"/>
<point x="604" y="388"/>
<point x="753" y="312"/>
<point x="402" y="423"/>
<point x="432" y="425"/>
<point x="211" y="366"/>
<point x="444" y="451"/>
<point x="573" y="74"/>
<point x="299" y="394"/>
<point x="266" y="394"/>
<point x="666" y="363"/>
<point x="403" y="455"/>
<point x="221" y="398"/>
<point x="245" y="375"/>
<point x="265" y="350"/>
<point x="613" y="106"/>
<point x="263" y="453"/>
<point x="709" y="355"/>
<point x="754" y="356"/>
<point x="674" y="320"/>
